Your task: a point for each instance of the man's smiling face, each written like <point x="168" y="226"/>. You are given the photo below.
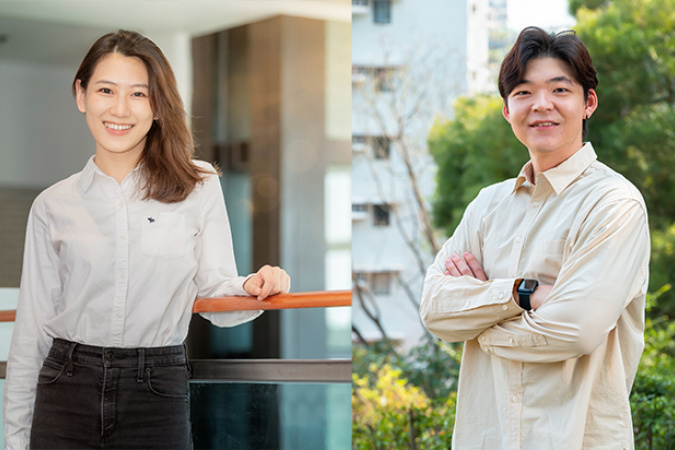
<point x="546" y="110"/>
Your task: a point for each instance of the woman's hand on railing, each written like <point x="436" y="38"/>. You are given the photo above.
<point x="268" y="281"/>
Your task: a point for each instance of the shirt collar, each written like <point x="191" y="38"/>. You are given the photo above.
<point x="564" y="174"/>
<point x="87" y="175"/>
<point x="91" y="169"/>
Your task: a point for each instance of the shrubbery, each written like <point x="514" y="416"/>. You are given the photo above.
<point x="404" y="402"/>
<point x="409" y="401"/>
<point x="653" y="394"/>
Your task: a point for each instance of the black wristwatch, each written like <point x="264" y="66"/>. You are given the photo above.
<point x="525" y="290"/>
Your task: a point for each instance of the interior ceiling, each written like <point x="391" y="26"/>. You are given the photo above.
<point x="61" y="31"/>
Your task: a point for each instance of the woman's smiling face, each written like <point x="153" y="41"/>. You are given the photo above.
<point x="116" y="103"/>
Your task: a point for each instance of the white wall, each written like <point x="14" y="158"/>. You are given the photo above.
<point x="44" y="136"/>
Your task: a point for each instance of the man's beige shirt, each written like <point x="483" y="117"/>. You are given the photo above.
<point x="558" y="377"/>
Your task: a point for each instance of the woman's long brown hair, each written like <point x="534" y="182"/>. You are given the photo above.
<point x="169" y="172"/>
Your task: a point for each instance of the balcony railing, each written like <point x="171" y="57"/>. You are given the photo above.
<point x="261" y="370"/>
<point x="317" y="299"/>
<point x="266" y="403"/>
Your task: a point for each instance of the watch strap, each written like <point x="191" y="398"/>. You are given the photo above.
<point x="524" y="300"/>
<point x="525" y="289"/>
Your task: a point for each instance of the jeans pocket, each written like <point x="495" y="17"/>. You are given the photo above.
<point x="169" y="382"/>
<point x="51" y="370"/>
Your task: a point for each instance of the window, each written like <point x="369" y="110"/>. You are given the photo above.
<point x="382" y="11"/>
<point x="359" y="139"/>
<point x="361" y="279"/>
<point x="381" y="147"/>
<point x="382" y="77"/>
<point x="381" y="283"/>
<point x="359" y="143"/>
<point x="381" y="215"/>
<point x="360" y="74"/>
<point x="360" y="211"/>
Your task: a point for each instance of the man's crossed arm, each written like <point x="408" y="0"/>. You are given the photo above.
<point x="468" y="265"/>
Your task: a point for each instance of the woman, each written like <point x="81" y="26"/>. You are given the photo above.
<point x="115" y="256"/>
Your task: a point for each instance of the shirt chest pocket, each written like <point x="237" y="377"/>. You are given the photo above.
<point x="164" y="235"/>
<point x="547" y="258"/>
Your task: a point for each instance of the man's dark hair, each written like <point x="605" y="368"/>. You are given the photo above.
<point x="533" y="43"/>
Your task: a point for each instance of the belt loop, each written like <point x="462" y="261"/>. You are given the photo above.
<point x="69" y="363"/>
<point x="141" y="364"/>
<point x="187" y="361"/>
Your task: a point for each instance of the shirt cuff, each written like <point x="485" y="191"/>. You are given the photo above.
<point x="228" y="319"/>
<point x="243" y="281"/>
<point x="501" y="293"/>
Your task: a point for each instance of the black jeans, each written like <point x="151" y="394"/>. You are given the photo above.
<point x="95" y="397"/>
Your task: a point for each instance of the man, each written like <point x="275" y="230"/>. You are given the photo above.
<point x="546" y="275"/>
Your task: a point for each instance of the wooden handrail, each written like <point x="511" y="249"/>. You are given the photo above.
<point x="7" y="316"/>
<point x="316" y="299"/>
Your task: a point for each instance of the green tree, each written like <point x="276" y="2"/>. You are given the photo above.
<point x="472" y="151"/>
<point x="633" y="47"/>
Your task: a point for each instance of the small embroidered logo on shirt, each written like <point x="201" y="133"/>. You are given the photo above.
<point x="151" y="220"/>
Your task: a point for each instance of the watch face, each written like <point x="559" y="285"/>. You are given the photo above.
<point x="528" y="285"/>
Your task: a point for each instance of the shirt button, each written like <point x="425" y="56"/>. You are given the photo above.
<point x="535" y="204"/>
<point x="504" y="307"/>
<point x="515" y="399"/>
<point x="123" y="276"/>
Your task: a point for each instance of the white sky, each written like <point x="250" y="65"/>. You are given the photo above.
<point x="548" y="14"/>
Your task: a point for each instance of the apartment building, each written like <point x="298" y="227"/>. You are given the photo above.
<point x="410" y="60"/>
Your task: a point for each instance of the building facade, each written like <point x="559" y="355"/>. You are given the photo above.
<point x="410" y="60"/>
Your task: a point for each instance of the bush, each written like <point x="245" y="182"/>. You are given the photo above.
<point x="653" y="394"/>
<point x="404" y="401"/>
<point x="408" y="401"/>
